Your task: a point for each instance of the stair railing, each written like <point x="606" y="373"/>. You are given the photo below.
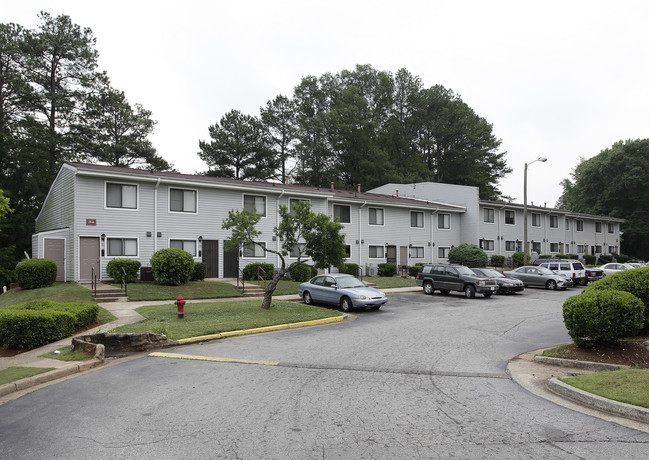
<point x="124" y="284"/>
<point x="240" y="279"/>
<point x="259" y="277"/>
<point x="93" y="281"/>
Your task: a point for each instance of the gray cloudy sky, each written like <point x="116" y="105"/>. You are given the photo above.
<point x="560" y="79"/>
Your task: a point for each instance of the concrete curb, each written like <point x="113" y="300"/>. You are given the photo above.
<point x="585" y="365"/>
<point x="598" y="402"/>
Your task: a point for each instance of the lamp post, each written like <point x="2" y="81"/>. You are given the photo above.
<point x="526" y="244"/>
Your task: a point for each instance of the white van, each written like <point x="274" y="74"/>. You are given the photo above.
<point x="569" y="268"/>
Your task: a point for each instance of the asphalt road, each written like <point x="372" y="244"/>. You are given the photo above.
<point x="424" y="377"/>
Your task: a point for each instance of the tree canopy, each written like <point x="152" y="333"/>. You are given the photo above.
<point x="614" y="183"/>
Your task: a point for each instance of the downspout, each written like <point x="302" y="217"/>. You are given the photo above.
<point x="360" y="238"/>
<point x="277" y="225"/>
<point x="432" y="241"/>
<point x="155" y="216"/>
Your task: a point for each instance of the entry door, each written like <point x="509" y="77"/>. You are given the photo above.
<point x="392" y="255"/>
<point x="403" y="255"/>
<point x="88" y="258"/>
<point x="55" y="250"/>
<point x="231" y="263"/>
<point x="211" y="257"/>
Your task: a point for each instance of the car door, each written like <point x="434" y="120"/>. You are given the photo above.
<point x="452" y="278"/>
<point x="317" y="288"/>
<point x="330" y="292"/>
<point x="535" y="278"/>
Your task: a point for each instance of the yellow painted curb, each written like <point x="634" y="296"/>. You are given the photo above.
<point x="258" y="330"/>
<point x="208" y="358"/>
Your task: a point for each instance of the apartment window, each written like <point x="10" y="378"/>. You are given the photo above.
<point x="185" y="245"/>
<point x="536" y="220"/>
<point x="348" y="251"/>
<point x="612" y="249"/>
<point x="122" y="247"/>
<point x="417" y="252"/>
<point x="376" y="252"/>
<point x="443" y="252"/>
<point x="417" y="219"/>
<point x="580" y="249"/>
<point x="182" y="200"/>
<point x="580" y="225"/>
<point x="342" y="213"/>
<point x="611" y="228"/>
<point x="296" y="250"/>
<point x="554" y="247"/>
<point x="598" y="249"/>
<point x="510" y="246"/>
<point x="444" y="221"/>
<point x="293" y="201"/>
<point x="598" y="227"/>
<point x="489" y="215"/>
<point x="376" y="216"/>
<point x="567" y="224"/>
<point x="487" y="245"/>
<point x="510" y="217"/>
<point x="536" y="247"/>
<point x="121" y="196"/>
<point x="554" y="221"/>
<point x="256" y="204"/>
<point x="255" y="250"/>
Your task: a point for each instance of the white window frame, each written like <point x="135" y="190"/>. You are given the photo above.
<point x="598" y="224"/>
<point x="369" y="216"/>
<point x="183" y="190"/>
<point x="598" y="249"/>
<point x="610" y="228"/>
<point x="441" y="250"/>
<point x="513" y="244"/>
<point x="184" y="240"/>
<point x="579" y="223"/>
<point x="369" y="248"/>
<point x="243" y="203"/>
<point x="137" y="196"/>
<point x="492" y="215"/>
<point x="488" y="245"/>
<point x="537" y="245"/>
<point x="449" y="221"/>
<point x="538" y="218"/>
<point x="423" y="220"/>
<point x="556" y="251"/>
<point x="348" y="254"/>
<point x="122" y="256"/>
<point x="333" y="212"/>
<point x="581" y="249"/>
<point x="567" y="224"/>
<point x="418" y="250"/>
<point x="612" y="249"/>
<point x="293" y="253"/>
<point x="298" y="200"/>
<point x="256" y="248"/>
<point x="513" y="213"/>
<point x="556" y="221"/>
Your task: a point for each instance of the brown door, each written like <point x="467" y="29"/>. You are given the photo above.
<point x="55" y="250"/>
<point x="403" y="255"/>
<point x="88" y="258"/>
<point x="231" y="263"/>
<point x="211" y="257"/>
<point x="392" y="255"/>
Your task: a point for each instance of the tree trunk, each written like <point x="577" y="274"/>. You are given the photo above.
<point x="268" y="293"/>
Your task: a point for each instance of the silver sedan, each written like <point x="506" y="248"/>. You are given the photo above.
<point x="347" y="291"/>
<point x="539" y="277"/>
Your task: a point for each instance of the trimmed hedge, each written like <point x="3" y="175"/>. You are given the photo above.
<point x="602" y="316"/>
<point x="131" y="267"/>
<point x="199" y="272"/>
<point x="35" y="273"/>
<point x="387" y="269"/>
<point x="497" y="261"/>
<point x="634" y="281"/>
<point x="300" y="273"/>
<point x="172" y="266"/>
<point x="469" y="255"/>
<point x="518" y="259"/>
<point x="250" y="271"/>
<point x="415" y="269"/>
<point x="589" y="260"/>
<point x="350" y="269"/>
<point x="37" y="323"/>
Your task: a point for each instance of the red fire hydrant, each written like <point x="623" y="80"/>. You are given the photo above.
<point x="180" y="303"/>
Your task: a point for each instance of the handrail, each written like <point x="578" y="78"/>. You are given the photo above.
<point x="243" y="283"/>
<point x="259" y="277"/>
<point x="360" y="273"/>
<point x="93" y="281"/>
<point x="124" y="283"/>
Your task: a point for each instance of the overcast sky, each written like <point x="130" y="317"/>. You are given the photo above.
<point x="558" y="79"/>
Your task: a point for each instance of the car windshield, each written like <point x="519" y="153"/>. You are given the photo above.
<point x="545" y="271"/>
<point x="465" y="271"/>
<point x="493" y="273"/>
<point x="346" y="282"/>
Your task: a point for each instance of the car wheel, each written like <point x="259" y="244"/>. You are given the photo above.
<point x="583" y="282"/>
<point x="469" y="291"/>
<point x="428" y="288"/>
<point x="551" y="284"/>
<point x="307" y="298"/>
<point x="445" y="291"/>
<point x="346" y="304"/>
<point x="487" y="294"/>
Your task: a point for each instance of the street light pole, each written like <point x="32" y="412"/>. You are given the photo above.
<point x="526" y="244"/>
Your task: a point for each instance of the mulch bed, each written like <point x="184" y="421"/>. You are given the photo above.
<point x="634" y="354"/>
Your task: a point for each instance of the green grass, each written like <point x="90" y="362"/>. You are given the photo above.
<point x="11" y="374"/>
<point x="385" y="282"/>
<point x="58" y="292"/>
<point x="215" y="317"/>
<point x="561" y="351"/>
<point x="66" y="354"/>
<point x="191" y="290"/>
<point x="627" y="386"/>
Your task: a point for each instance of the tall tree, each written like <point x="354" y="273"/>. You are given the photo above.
<point x="239" y="148"/>
<point x="278" y="118"/>
<point x="614" y="183"/>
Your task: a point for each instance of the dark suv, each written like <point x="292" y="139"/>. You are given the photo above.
<point x="447" y="278"/>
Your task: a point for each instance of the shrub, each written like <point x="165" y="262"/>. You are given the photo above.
<point x="250" y="271"/>
<point x="497" y="261"/>
<point x="387" y="269"/>
<point x="546" y="256"/>
<point x="634" y="281"/>
<point x="350" y="269"/>
<point x="469" y="255"/>
<point x="621" y="258"/>
<point x="605" y="259"/>
<point x="589" y="260"/>
<point x="35" y="273"/>
<point x="199" y="272"/>
<point x="415" y="269"/>
<point x="172" y="266"/>
<point x="518" y="259"/>
<point x="572" y="256"/>
<point x="314" y="271"/>
<point x="41" y="322"/>
<point x="602" y="316"/>
<point x="300" y="273"/>
<point x="131" y="267"/>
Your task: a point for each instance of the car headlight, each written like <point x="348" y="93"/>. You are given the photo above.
<point x="481" y="283"/>
<point x="507" y="284"/>
<point x="362" y="297"/>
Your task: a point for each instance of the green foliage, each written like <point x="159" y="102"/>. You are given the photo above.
<point x="469" y="255"/>
<point x="605" y="259"/>
<point x="621" y="258"/>
<point x="250" y="272"/>
<point x="301" y="273"/>
<point x="131" y="267"/>
<point x="572" y="256"/>
<point x="199" y="272"/>
<point x="518" y="259"/>
<point x="387" y="269"/>
<point x="350" y="269"/>
<point x="41" y="322"/>
<point x="497" y="261"/>
<point x="589" y="259"/>
<point x="415" y="269"/>
<point x="314" y="271"/>
<point x="172" y="266"/>
<point x="634" y="282"/>
<point x="545" y="256"/>
<point x="602" y="316"/>
<point x="36" y="273"/>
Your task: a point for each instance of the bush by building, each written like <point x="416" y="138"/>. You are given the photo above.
<point x="199" y="272"/>
<point x="387" y="269"/>
<point x="131" y="267"/>
<point x="590" y="260"/>
<point x="518" y="259"/>
<point x="469" y="255"/>
<point x="497" y="261"/>
<point x="266" y="270"/>
<point x="350" y="269"/>
<point x="35" y="273"/>
<point x="301" y="273"/>
<point x="415" y="269"/>
<point x="172" y="266"/>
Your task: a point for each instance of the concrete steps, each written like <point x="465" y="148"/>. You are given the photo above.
<point x="106" y="293"/>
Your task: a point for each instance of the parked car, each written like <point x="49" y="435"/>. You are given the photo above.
<point x="506" y="284"/>
<point x="341" y="289"/>
<point x="594" y="274"/>
<point x="447" y="278"/>
<point x="539" y="277"/>
<point x="614" y="267"/>
<point x="569" y="268"/>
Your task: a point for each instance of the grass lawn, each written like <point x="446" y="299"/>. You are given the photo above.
<point x="191" y="290"/>
<point x="215" y="317"/>
<point x="11" y="374"/>
<point x="66" y="354"/>
<point x="627" y="386"/>
<point x="385" y="282"/>
<point x="58" y="292"/>
<point x="562" y="351"/>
